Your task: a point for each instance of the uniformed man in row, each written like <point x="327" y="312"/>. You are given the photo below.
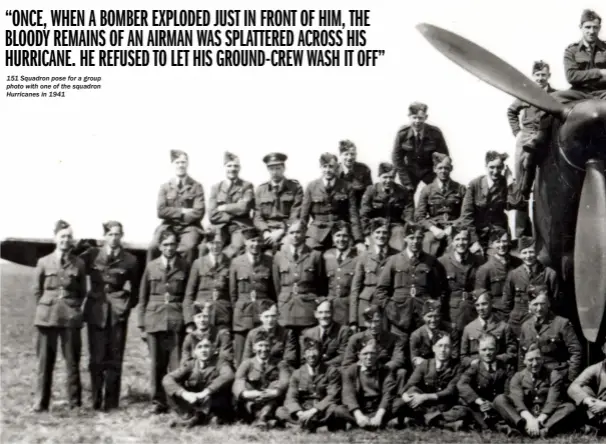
<point x="181" y="208"/>
<point x="439" y="206"/>
<point x="59" y="289"/>
<point x="250" y="281"/>
<point x="390" y="201"/>
<point x="356" y="174"/>
<point x="160" y="319"/>
<point x="424" y="337"/>
<point x="230" y="205"/>
<point x="106" y="312"/>
<point x="277" y="202"/>
<point x="326" y="201"/>
<point x="414" y="146"/>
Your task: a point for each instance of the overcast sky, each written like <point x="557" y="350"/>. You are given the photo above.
<point x="98" y="155"/>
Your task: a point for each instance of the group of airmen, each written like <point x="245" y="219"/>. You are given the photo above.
<point x="341" y="304"/>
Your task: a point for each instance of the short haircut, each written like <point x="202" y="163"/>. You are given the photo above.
<point x="487" y="337"/>
<point x="346" y="145"/>
<point x="341" y="225"/>
<point x="326" y="158"/>
<point x="107" y="226"/>
<point x="493" y="155"/>
<point x="416" y="107"/>
<point x="168" y="232"/>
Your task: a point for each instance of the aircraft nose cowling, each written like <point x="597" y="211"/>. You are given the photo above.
<point x="582" y="136"/>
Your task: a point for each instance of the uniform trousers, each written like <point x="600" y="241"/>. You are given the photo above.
<point x="165" y="355"/>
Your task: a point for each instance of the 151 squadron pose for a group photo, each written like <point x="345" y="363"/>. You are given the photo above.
<point x="343" y="303"/>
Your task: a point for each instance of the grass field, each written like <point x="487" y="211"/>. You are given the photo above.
<point x="131" y="424"/>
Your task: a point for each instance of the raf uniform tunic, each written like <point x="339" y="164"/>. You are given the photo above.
<point x="359" y="178"/>
<point x="421" y="342"/>
<point x="282" y="343"/>
<point x="493" y="274"/>
<point x="392" y="352"/>
<point x="340" y="277"/>
<point x="507" y="344"/>
<point x="333" y="342"/>
<point x="221" y="339"/>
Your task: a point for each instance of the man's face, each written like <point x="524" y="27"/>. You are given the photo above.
<point x="414" y="241"/>
<point x="329" y="170"/>
<point x="501" y="245"/>
<point x="443" y="170"/>
<point x="168" y="247"/>
<point x="591" y="30"/>
<point x="484" y="306"/>
<point x="539" y="306"/>
<point x="349" y="157"/>
<point x="341" y="240"/>
<point x="324" y="314"/>
<point x="269" y="318"/>
<point x="276" y="172"/>
<point x="203" y="350"/>
<point x="232" y="169"/>
<point x="432" y="320"/>
<point x="542" y="77"/>
<point x="368" y="357"/>
<point x="374" y="325"/>
<point x="64" y="239"/>
<point x="533" y="361"/>
<point x="216" y="246"/>
<point x="442" y="349"/>
<point x="418" y="120"/>
<point x="380" y="236"/>
<point x="487" y="351"/>
<point x="312" y="356"/>
<point x="297" y="236"/>
<point x="202" y="320"/>
<point x="529" y="256"/>
<point x="495" y="168"/>
<point x="387" y="179"/>
<point x="113" y="237"/>
<point x="461" y="242"/>
<point x="180" y="164"/>
<point x="253" y="246"/>
<point x="261" y="349"/>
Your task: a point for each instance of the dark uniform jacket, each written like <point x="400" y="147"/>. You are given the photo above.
<point x="405" y="284"/>
<point x="421" y="345"/>
<point x="426" y="379"/>
<point x="220" y="337"/>
<point x="355" y="394"/>
<point x="161" y="296"/>
<point x="483" y="207"/>
<point x="558" y="342"/>
<point x="321" y="390"/>
<point x="334" y="343"/>
<point x="583" y="68"/>
<point x="359" y="178"/>
<point x="539" y="395"/>
<point x="59" y="291"/>
<point x="209" y="282"/>
<point x="298" y="284"/>
<point x="492" y="275"/>
<point x="369" y="267"/>
<point x="248" y="284"/>
<point x="440" y="208"/>
<point x="171" y="200"/>
<point x="395" y="205"/>
<point x="326" y="208"/>
<point x="283" y="345"/>
<point x="108" y="291"/>
<point x="239" y="199"/>
<point x="477" y="382"/>
<point x="507" y="343"/>
<point x="275" y="208"/>
<point x="251" y="376"/>
<point x="514" y="303"/>
<point x="340" y="276"/>
<point x="392" y="349"/>
<point x="216" y="377"/>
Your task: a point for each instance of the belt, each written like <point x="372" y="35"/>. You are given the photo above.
<point x="299" y="289"/>
<point x="167" y="298"/>
<point x="325" y="218"/>
<point x="254" y="295"/>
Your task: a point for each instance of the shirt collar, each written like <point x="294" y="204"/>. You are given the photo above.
<point x="328" y="183"/>
<point x="379" y="250"/>
<point x="165" y="261"/>
<point x="109" y="251"/>
<point x="429" y="332"/>
<point x="60" y="254"/>
<point x="411" y="255"/>
<point x="440" y="365"/>
<point x="251" y="258"/>
<point x="260" y="362"/>
<point x="311" y="370"/>
<point x="277" y="184"/>
<point x="460" y="257"/>
<point x="489" y="181"/>
<point x="441" y="184"/>
<point x="492" y="366"/>
<point x="345" y="170"/>
<point x="416" y="133"/>
<point x="343" y="254"/>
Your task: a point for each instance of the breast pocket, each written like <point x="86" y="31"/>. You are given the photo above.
<point x="176" y="284"/>
<point x="266" y="206"/>
<point x="340" y="203"/>
<point x="309" y="273"/>
<point x="171" y="196"/>
<point x="549" y="344"/>
<point x="496" y="285"/>
<point x="319" y="205"/>
<point x="286" y="202"/>
<point x="51" y="280"/>
<point x="400" y="278"/>
<point x="370" y="276"/>
<point x="244" y="284"/>
<point x="422" y="276"/>
<point x="116" y="276"/>
<point x="222" y="198"/>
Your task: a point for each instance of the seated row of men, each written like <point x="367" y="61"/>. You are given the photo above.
<point x="364" y="388"/>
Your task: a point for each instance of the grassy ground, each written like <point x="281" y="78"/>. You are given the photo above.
<point x="131" y="424"/>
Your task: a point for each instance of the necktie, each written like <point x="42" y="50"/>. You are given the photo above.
<point x="168" y="266"/>
<point x="491" y="368"/>
<point x="418" y="141"/>
<point x="63" y="260"/>
<point x="381" y="255"/>
<point x="329" y="187"/>
<point x="484" y="325"/>
<point x="339" y="258"/>
<point x="295" y="255"/>
<point x="323" y="336"/>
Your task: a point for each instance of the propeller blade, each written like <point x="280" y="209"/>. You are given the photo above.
<point x="590" y="251"/>
<point x="489" y="68"/>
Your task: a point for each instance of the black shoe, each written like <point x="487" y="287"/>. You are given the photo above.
<point x="39" y="409"/>
<point x="158" y="409"/>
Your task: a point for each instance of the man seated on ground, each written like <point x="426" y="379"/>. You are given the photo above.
<point x="221" y="338"/>
<point x="534" y="404"/>
<point x="423" y="338"/>
<point x="481" y="383"/>
<point x="487" y="322"/>
<point x="368" y="390"/>
<point x="430" y="395"/>
<point x="313" y="392"/>
<point x="199" y="390"/>
<point x="332" y="337"/>
<point x="282" y="342"/>
<point x="588" y="391"/>
<point x="260" y="385"/>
